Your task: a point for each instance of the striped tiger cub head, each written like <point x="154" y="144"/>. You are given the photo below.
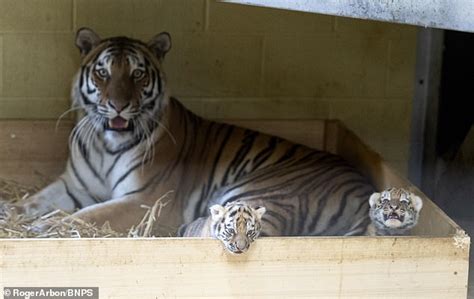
<point x="395" y="210"/>
<point x="236" y="224"/>
<point x="120" y="84"/>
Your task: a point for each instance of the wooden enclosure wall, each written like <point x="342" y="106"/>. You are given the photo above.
<point x="33" y="151"/>
<point x="433" y="264"/>
<point x="354" y="267"/>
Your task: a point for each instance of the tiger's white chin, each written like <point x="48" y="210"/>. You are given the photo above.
<point x="115" y="139"/>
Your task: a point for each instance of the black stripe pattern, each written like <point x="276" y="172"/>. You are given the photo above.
<point x="305" y="192"/>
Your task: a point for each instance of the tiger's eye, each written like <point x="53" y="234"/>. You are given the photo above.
<point x="137" y="74"/>
<point x="102" y="73"/>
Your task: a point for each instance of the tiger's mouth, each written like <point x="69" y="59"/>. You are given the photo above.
<point x="118" y="124"/>
<point x="393" y="217"/>
<point x="235" y="250"/>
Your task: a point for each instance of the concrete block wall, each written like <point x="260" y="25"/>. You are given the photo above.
<point x="227" y="61"/>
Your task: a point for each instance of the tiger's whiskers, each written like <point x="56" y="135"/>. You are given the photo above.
<point x="58" y="121"/>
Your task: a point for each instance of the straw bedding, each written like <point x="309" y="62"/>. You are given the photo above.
<point x="14" y="224"/>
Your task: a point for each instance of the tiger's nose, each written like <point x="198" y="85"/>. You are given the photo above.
<point x="118" y="106"/>
<point x="241" y="244"/>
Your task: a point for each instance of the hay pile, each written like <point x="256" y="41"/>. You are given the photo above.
<point x="14" y="224"/>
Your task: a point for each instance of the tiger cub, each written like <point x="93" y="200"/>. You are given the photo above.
<point x="236" y="225"/>
<point x="393" y="212"/>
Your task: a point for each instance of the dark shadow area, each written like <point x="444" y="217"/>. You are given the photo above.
<point x="454" y="184"/>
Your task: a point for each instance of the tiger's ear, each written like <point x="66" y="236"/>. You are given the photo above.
<point x="217" y="212"/>
<point x="260" y="211"/>
<point x="417" y="202"/>
<point x="86" y="40"/>
<point x="374" y="199"/>
<point x="160" y="44"/>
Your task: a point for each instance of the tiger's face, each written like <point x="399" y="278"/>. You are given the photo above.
<point x="120" y="84"/>
<point x="395" y="209"/>
<point x="236" y="224"/>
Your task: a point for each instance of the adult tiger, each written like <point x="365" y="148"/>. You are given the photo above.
<point x="136" y="143"/>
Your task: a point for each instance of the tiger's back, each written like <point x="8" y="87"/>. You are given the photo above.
<point x="306" y="191"/>
<point x="318" y="194"/>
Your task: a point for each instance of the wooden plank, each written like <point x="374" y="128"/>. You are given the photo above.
<point x="332" y="131"/>
<point x="433" y="221"/>
<point x="345" y="143"/>
<point x="32" y="152"/>
<point x="273" y="268"/>
<point x="34" y="140"/>
<point x="37" y="148"/>
<point x="31" y="173"/>
<point x="40" y="141"/>
<point x="31" y="147"/>
<point x="306" y="132"/>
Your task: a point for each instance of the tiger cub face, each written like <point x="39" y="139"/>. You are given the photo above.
<point x="394" y="211"/>
<point x="120" y="84"/>
<point x="236" y="224"/>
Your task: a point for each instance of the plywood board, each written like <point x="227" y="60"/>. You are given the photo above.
<point x="307" y="132"/>
<point x="340" y="140"/>
<point x="34" y="140"/>
<point x="32" y="152"/>
<point x="273" y="268"/>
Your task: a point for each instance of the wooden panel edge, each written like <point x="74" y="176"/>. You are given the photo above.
<point x="373" y="165"/>
<point x="164" y="267"/>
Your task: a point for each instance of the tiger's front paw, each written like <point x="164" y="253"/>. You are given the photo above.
<point x="41" y="228"/>
<point x="33" y="207"/>
<point x="24" y="219"/>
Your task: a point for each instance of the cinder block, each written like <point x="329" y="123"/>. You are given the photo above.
<point x="206" y="65"/>
<point x="350" y="26"/>
<point x="39" y="65"/>
<point x="34" y="108"/>
<point x="401" y="67"/>
<point x="258" y="108"/>
<point x="225" y="17"/>
<point x="132" y="17"/>
<point x="1" y="65"/>
<point x="304" y="65"/>
<point x="27" y="15"/>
